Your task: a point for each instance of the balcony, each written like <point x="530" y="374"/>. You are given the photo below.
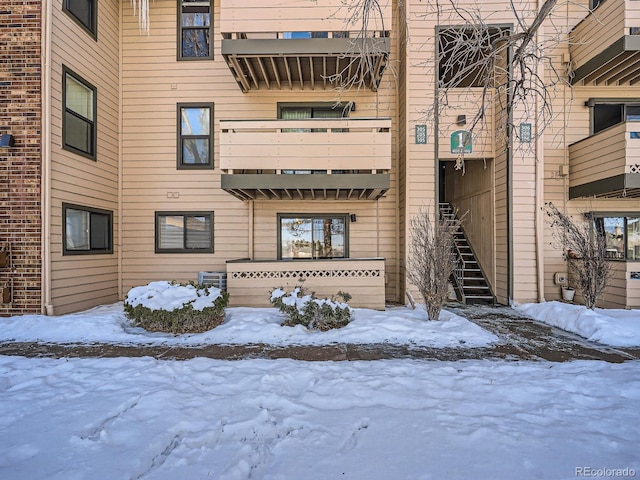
<point x="312" y="159"/>
<point x="605" y="46"/>
<point x="265" y="48"/>
<point x="607" y="164"/>
<point x="363" y="278"/>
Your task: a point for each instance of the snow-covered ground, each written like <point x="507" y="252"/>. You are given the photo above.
<point x="108" y="324"/>
<point x="141" y="418"/>
<point x="620" y="328"/>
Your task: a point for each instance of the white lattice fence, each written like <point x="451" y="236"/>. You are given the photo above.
<point x="249" y="283"/>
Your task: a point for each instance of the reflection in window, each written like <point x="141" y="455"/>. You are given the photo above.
<point x="195" y="30"/>
<point x="87" y="230"/>
<point x="633" y="238"/>
<point x="622" y="236"/>
<point x="184" y="232"/>
<point x="605" y="115"/>
<point x="82" y="11"/>
<point x="79" y="129"/>
<point x="196" y="136"/>
<point x="312" y="237"/>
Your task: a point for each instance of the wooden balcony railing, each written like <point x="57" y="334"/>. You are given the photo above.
<point x="607" y="163"/>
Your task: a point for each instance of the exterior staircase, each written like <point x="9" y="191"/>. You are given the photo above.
<point x="468" y="279"/>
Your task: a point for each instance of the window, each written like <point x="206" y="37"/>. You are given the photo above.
<point x="312" y="237"/>
<point x="190" y="232"/>
<point x="298" y="35"/>
<point x="195" y="34"/>
<point x="622" y="234"/>
<point x="195" y="141"/>
<point x="87" y="230"/>
<point x="84" y="12"/>
<point x="78" y="121"/>
<point x="608" y="114"/>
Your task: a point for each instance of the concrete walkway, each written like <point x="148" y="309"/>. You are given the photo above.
<point x="520" y="339"/>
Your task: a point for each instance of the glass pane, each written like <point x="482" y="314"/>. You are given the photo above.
<point x="195" y="42"/>
<point x="171" y="231"/>
<point x="82" y="10"/>
<point x="198" y="232"/>
<point x="295" y="237"/>
<point x="78" y="133"/>
<point x="191" y="17"/>
<point x="77" y="229"/>
<point x="195" y="120"/>
<point x="100" y="232"/>
<point x="605" y="115"/>
<point x="632" y="113"/>
<point x="290" y="35"/>
<point x="633" y="238"/>
<point x="614" y="231"/>
<point x="328" y="238"/>
<point x="195" y="151"/>
<point x="79" y="98"/>
<point x="337" y="237"/>
<point x="327" y="113"/>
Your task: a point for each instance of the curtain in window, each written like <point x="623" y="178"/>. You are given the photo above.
<point x="77" y="230"/>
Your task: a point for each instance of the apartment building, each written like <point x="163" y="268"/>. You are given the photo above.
<point x="274" y="143"/>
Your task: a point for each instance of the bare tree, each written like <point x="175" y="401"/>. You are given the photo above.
<point x="585" y="249"/>
<point x="431" y="258"/>
<point x="508" y="69"/>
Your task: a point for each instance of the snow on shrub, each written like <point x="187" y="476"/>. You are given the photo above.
<point x="176" y="307"/>
<point x="314" y="313"/>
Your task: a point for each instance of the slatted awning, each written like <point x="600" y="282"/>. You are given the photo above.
<point x="618" y="64"/>
<point x="306" y="187"/>
<point x="313" y="63"/>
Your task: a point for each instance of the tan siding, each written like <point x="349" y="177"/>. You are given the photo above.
<point x="83" y="281"/>
<point x="153" y="83"/>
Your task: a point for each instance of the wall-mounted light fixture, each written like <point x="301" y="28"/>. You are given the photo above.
<point x="6" y="141"/>
<point x="461" y="120"/>
<point x="353" y="217"/>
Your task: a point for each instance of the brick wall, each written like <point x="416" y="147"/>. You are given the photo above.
<point x="20" y="166"/>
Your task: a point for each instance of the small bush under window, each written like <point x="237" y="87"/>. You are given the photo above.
<point x="314" y="313"/>
<point x="176" y="307"/>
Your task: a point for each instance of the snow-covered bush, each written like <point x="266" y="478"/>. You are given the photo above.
<point x="176" y="307"/>
<point x="314" y="313"/>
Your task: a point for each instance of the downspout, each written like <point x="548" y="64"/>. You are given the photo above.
<point x="251" y="227"/>
<point x="509" y="185"/>
<point x="46" y="22"/>
<point x="120" y="154"/>
<point x="539" y="173"/>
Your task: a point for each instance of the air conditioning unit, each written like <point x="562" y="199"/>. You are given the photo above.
<point x="214" y="279"/>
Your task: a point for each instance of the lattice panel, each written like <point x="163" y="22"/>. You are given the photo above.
<point x="634" y="168"/>
<point x="308" y="274"/>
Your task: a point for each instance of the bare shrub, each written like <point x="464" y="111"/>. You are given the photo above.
<point x="585" y="250"/>
<point x="431" y="258"/>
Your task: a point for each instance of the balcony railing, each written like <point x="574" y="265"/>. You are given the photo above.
<point x="363" y="278"/>
<point x="605" y="45"/>
<point x="606" y="164"/>
<point x="306" y="159"/>
<point x="271" y="45"/>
